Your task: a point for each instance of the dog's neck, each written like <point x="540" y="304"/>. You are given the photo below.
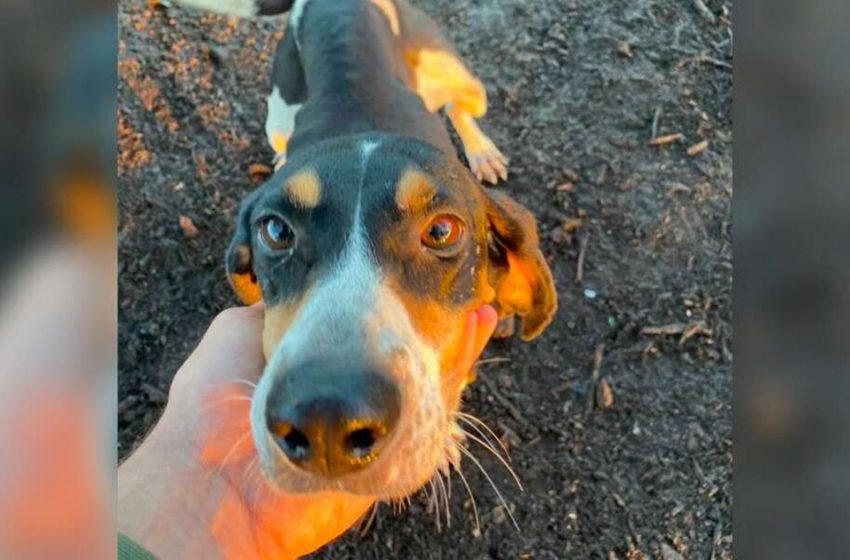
<point x="356" y="79"/>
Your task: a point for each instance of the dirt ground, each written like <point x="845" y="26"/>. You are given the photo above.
<point x="577" y="90"/>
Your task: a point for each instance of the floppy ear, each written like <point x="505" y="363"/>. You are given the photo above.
<point x="518" y="271"/>
<point x="239" y="264"/>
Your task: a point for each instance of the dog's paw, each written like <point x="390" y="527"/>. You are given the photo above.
<point x="487" y="162"/>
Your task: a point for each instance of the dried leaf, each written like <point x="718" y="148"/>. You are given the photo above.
<point x="259" y="171"/>
<point x="188" y="226"/>
<point x="698" y="148"/>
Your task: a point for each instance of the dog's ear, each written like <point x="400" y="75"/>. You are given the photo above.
<point x="518" y="271"/>
<point x="239" y="263"/>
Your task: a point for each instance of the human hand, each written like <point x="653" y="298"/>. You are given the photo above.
<point x="194" y="487"/>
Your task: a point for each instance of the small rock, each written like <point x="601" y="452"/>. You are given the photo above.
<point x="559" y="236"/>
<point x="670" y="553"/>
<point x="625" y="50"/>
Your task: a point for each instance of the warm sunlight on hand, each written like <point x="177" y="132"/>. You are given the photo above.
<point x="199" y="464"/>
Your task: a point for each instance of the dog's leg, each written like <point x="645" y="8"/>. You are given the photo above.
<point x="441" y="79"/>
<point x="280" y="124"/>
<point x="485" y="159"/>
<point x="287" y="96"/>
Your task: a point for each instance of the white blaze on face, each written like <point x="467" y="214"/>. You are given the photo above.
<point x="352" y="312"/>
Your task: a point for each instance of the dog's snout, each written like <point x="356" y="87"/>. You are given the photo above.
<point x="332" y="424"/>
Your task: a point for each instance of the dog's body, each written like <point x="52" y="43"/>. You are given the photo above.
<point x="369" y="247"/>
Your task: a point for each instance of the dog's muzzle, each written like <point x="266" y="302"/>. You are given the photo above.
<point x="331" y="418"/>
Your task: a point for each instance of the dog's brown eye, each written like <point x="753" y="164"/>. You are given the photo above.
<point x="276" y="234"/>
<point x="442" y="232"/>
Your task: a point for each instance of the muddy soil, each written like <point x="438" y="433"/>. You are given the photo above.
<point x="634" y="461"/>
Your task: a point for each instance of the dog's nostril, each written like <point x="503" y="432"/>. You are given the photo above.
<point x="295" y="443"/>
<point x="360" y="442"/>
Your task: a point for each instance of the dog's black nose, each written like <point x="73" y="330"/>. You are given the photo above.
<point x="332" y="424"/>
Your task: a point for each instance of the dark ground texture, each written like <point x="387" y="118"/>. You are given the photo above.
<point x="576" y="88"/>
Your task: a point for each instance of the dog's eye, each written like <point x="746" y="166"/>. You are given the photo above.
<point x="276" y="234"/>
<point x="442" y="232"/>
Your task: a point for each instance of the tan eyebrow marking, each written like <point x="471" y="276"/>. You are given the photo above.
<point x="303" y="189"/>
<point x="278" y="319"/>
<point x="390" y="12"/>
<point x="414" y="191"/>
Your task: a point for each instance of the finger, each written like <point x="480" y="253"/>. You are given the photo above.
<point x="487" y="320"/>
<point x="479" y="327"/>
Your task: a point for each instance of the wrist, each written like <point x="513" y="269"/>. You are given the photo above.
<point x="165" y="497"/>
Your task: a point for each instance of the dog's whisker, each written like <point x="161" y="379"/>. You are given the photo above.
<point x="486" y="361"/>
<point x="232" y="398"/>
<point x="472" y="458"/>
<point x="442" y="485"/>
<point x="472" y="499"/>
<point x="250" y="384"/>
<point x="432" y="503"/>
<point x="489" y="448"/>
<point x="472" y="419"/>
<point x="366" y="520"/>
<point x="233" y="448"/>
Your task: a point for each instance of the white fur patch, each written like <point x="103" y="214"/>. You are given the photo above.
<point x="295" y="19"/>
<point x="239" y="8"/>
<point x="280" y="121"/>
<point x="366" y="149"/>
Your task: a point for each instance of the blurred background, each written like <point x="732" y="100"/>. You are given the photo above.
<point x="57" y="279"/>
<point x="792" y="279"/>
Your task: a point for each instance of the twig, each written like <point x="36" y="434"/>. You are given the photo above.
<point x="598" y="354"/>
<point x="702" y="57"/>
<point x="512" y="410"/>
<point x="655" y="119"/>
<point x="666" y="139"/>
<point x="696" y="328"/>
<point x="687" y="331"/>
<point x="703" y="10"/>
<point x="581" y="255"/>
<point x="665" y="330"/>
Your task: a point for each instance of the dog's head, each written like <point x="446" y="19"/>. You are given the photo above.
<point x="368" y="254"/>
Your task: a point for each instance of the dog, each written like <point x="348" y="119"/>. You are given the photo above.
<point x="370" y="244"/>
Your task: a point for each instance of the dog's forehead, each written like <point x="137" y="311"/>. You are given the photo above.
<point x="379" y="178"/>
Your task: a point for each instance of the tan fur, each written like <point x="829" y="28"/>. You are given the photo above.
<point x="304" y="190"/>
<point x="278" y="319"/>
<point x="440" y="78"/>
<point x="246" y="289"/>
<point x="414" y="191"/>
<point x="388" y="8"/>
